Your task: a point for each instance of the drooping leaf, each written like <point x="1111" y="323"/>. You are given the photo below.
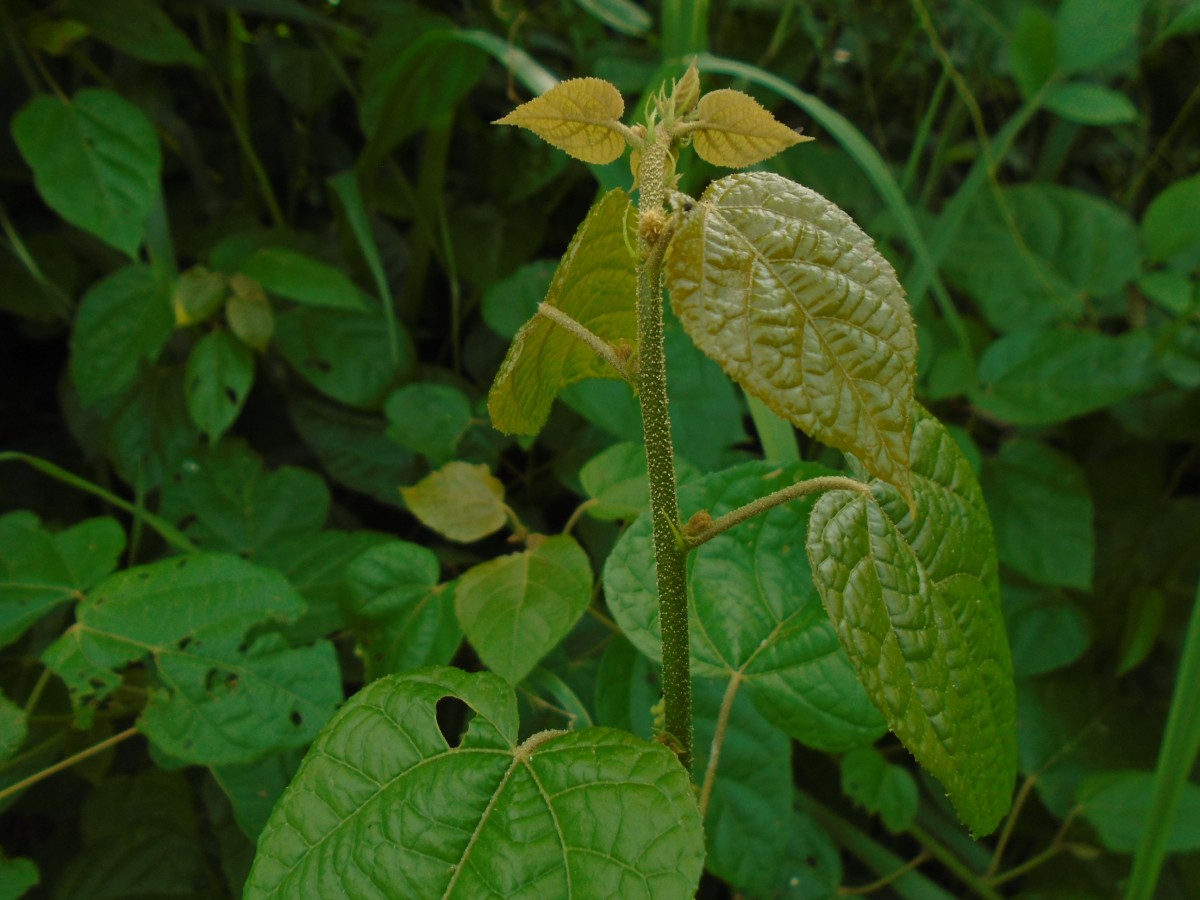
<point x="429" y="419"/>
<point x="578" y="116"/>
<point x="1169" y="225"/>
<point x="40" y="570"/>
<point x="1042" y="508"/>
<point x="792" y="299"/>
<point x="403" y="618"/>
<point x="95" y="161"/>
<point x="123" y="321"/>
<point x="461" y="501"/>
<point x="138" y="28"/>
<point x="752" y="609"/>
<point x="1117" y="805"/>
<point x="915" y="599"/>
<point x="737" y="131"/>
<point x="300" y="278"/>
<point x="229" y="689"/>
<point x="1051" y="375"/>
<point x="516" y="608"/>
<point x="381" y="798"/>
<point x="596" y="285"/>
<point x="220" y="371"/>
<point x="225" y="499"/>
<point x="880" y="787"/>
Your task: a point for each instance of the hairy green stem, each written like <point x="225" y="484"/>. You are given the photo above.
<point x="669" y="552"/>
<point x="602" y="348"/>
<point x="714" y="753"/>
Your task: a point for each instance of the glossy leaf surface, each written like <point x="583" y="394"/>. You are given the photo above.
<point x="737" y="131"/>
<point x="384" y="806"/>
<point x="229" y="690"/>
<point x="461" y="501"/>
<point x="782" y="289"/>
<point x="915" y="600"/>
<point x="752" y="609"/>
<point x="516" y="608"/>
<point x="577" y="116"/>
<point x="596" y="285"/>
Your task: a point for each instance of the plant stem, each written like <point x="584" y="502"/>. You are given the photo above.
<point x="602" y="347"/>
<point x="714" y="754"/>
<point x="777" y="498"/>
<point x="953" y="863"/>
<point x="68" y="762"/>
<point x="669" y="553"/>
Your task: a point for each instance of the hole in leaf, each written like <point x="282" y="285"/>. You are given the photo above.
<point x="231" y="395"/>
<point x="184" y="642"/>
<point x="452" y="718"/>
<point x="211" y="677"/>
<point x="296" y="718"/>
<point x="321" y="365"/>
<point x="96" y="683"/>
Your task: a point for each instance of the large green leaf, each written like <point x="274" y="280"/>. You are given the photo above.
<point x="596" y="285"/>
<point x="384" y="806"/>
<point x="1054" y="374"/>
<point x="403" y="618"/>
<point x="752" y="609"/>
<point x="40" y="570"/>
<point x="151" y="434"/>
<point x="915" y="599"/>
<point x="123" y="321"/>
<point x="95" y="161"/>
<point x="1042" y="508"/>
<point x="516" y="608"/>
<point x="792" y="299"/>
<point x="230" y="690"/>
<point x="303" y="279"/>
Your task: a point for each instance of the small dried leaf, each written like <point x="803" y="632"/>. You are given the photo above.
<point x="579" y="116"/>
<point x="736" y="131"/>
<point x="461" y="501"/>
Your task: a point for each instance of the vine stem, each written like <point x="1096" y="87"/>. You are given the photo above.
<point x="776" y="498"/>
<point x="68" y="762"/>
<point x="670" y="554"/>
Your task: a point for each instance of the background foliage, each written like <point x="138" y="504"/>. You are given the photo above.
<point x="261" y="260"/>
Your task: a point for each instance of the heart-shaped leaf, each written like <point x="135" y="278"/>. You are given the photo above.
<point x="382" y="799"/>
<point x="736" y="131"/>
<point x="578" y="116"/>
<point x="752" y="609"/>
<point x="792" y="299"/>
<point x="462" y="501"/>
<point x="915" y="599"/>
<point x="516" y="608"/>
<point x="596" y="285"/>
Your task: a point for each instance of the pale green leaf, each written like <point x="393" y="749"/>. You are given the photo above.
<point x="596" y="285"/>
<point x="228" y="689"/>
<point x="249" y="313"/>
<point x="402" y="617"/>
<point x="915" y="599"/>
<point x="579" y="116"/>
<point x="138" y="28"/>
<point x="1117" y="804"/>
<point x="752" y="609"/>
<point x="516" y="608"/>
<point x="615" y="479"/>
<point x="383" y="799"/>
<point x="1051" y="375"/>
<point x="220" y="371"/>
<point x="300" y="278"/>
<point x="1042" y="509"/>
<point x="880" y="787"/>
<point x="40" y="570"/>
<point x="462" y="501"/>
<point x="737" y="131"/>
<point x="123" y="322"/>
<point x="95" y="161"/>
<point x="1170" y="224"/>
<point x="792" y="299"/>
<point x="1090" y="104"/>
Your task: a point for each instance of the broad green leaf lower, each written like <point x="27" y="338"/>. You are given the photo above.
<point x="752" y="609"/>
<point x="914" y="596"/>
<point x="791" y="298"/>
<point x="596" y="285"/>
<point x="229" y="689"/>
<point x="384" y="807"/>
<point x="95" y="161"/>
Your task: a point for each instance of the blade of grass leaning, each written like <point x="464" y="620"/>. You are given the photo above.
<point x="684" y="28"/>
<point x="1180" y="746"/>
<point x="777" y="436"/>
<point x="525" y="69"/>
<point x="872" y="165"/>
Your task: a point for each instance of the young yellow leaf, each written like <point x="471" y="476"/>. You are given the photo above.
<point x="580" y="116"/>
<point x="736" y="131"/>
<point x="461" y="501"/>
